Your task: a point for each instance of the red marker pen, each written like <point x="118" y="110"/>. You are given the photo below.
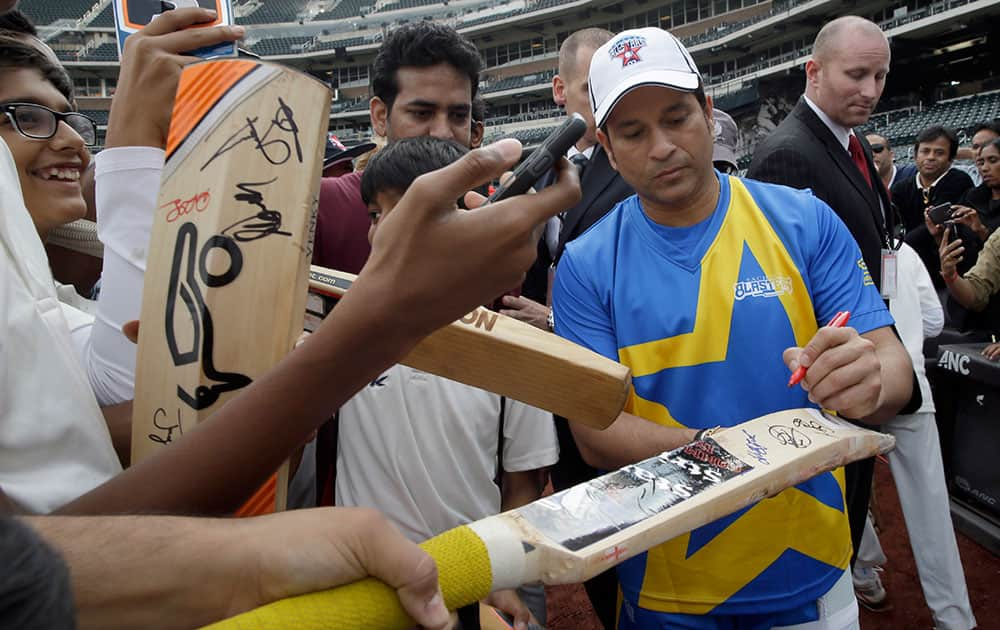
<point x="839" y="321"/>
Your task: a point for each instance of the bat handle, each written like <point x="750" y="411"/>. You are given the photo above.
<point x="463" y="571"/>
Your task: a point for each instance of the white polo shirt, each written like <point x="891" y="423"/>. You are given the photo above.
<point x="423" y="450"/>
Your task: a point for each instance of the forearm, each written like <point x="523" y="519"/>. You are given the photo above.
<point x="964" y="293"/>
<point x="216" y="467"/>
<point x="128" y="180"/>
<point x="629" y="439"/>
<point x="521" y="488"/>
<point x="897" y="382"/>
<point x="127" y="571"/>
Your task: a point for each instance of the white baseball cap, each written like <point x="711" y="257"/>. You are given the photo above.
<point x="636" y="58"/>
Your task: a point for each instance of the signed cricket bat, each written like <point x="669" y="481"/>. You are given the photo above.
<point x="575" y="534"/>
<point x="225" y="284"/>
<point x="500" y="354"/>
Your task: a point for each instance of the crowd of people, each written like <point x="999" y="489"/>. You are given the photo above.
<point x="635" y="247"/>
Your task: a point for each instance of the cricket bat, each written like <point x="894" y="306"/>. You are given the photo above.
<point x="225" y="284"/>
<point x="500" y="354"/>
<point x="575" y="534"/>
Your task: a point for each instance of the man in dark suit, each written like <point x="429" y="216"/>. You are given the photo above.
<point x="815" y="147"/>
<point x="602" y="186"/>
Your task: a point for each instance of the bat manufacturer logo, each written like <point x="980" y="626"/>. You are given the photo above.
<point x="184" y="286"/>
<point x="481" y="318"/>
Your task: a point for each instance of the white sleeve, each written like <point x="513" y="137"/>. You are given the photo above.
<point x="128" y="180"/>
<point x="529" y="437"/>
<point x="931" y="311"/>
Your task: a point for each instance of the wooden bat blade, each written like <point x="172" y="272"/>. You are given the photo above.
<point x="505" y="356"/>
<point x="580" y="532"/>
<point x="231" y="241"/>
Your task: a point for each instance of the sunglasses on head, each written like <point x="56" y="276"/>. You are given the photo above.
<point x="878" y="148"/>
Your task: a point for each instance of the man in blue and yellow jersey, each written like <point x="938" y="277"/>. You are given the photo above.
<point x="711" y="288"/>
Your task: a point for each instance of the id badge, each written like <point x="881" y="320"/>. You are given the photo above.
<point x="888" y="274"/>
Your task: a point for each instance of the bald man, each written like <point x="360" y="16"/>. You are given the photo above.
<point x="816" y="147"/>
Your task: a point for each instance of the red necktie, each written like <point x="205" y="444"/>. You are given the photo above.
<point x="858" y="157"/>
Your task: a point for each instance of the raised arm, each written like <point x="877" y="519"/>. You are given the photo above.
<point x="408" y="288"/>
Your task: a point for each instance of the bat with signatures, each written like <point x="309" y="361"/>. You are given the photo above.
<point x="575" y="534"/>
<point x="500" y="354"/>
<point x="225" y="287"/>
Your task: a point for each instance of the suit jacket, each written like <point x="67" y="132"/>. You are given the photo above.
<point x="803" y="153"/>
<point x="602" y="189"/>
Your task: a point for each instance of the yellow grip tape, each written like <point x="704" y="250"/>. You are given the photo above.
<point x="463" y="571"/>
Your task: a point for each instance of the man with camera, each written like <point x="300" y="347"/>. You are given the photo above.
<point x="936" y="185"/>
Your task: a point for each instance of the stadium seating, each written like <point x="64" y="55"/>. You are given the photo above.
<point x="359" y="103"/>
<point x="108" y="51"/>
<point x="106" y="18"/>
<point x="406" y="4"/>
<point x="512" y="83"/>
<point x="280" y="45"/>
<point x="489" y="18"/>
<point x="42" y="13"/>
<point x="344" y="9"/>
<point x="959" y="114"/>
<point x="274" y="12"/>
<point x="527" y="137"/>
<point x="343" y="43"/>
<point x="100" y="116"/>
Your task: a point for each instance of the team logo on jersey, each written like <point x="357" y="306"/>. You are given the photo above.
<point x="627" y="49"/>
<point x="867" y="278"/>
<point x="763" y="287"/>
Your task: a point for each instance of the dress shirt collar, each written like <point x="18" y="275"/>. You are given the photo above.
<point x="920" y="180"/>
<point x="587" y="153"/>
<point x="841" y="133"/>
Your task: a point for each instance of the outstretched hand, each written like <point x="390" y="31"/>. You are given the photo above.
<point x="435" y="263"/>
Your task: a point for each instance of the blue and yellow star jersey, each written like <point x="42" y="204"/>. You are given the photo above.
<point x="702" y="315"/>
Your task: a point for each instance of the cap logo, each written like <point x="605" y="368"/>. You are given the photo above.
<point x="627" y="49"/>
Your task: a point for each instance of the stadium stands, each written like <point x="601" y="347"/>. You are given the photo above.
<point x="104" y="19"/>
<point x="522" y="81"/>
<point x="344" y="9"/>
<point x="275" y="12"/>
<point x="343" y="43"/>
<point x="108" y="51"/>
<point x="42" y="13"/>
<point x="280" y="45"/>
<point x="406" y="4"/>
<point x="348" y="105"/>
<point x="100" y="116"/>
<point x="463" y="24"/>
<point x="960" y="114"/>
